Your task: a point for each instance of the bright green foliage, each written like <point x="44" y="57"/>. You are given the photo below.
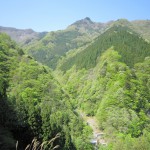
<point x="114" y="85"/>
<point x="42" y="103"/>
<point x="8" y="50"/>
<point x="33" y="104"/>
<point x="110" y="79"/>
<point x="127" y="142"/>
<point x="116" y="94"/>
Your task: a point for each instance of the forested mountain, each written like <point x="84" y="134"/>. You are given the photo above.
<point x="33" y="104"/>
<point x="119" y="97"/>
<point x="51" y="47"/>
<point x="110" y="79"/>
<point x="48" y="47"/>
<point x="129" y="45"/>
<point x="101" y="70"/>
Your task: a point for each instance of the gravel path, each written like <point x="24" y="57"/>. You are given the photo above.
<point x="98" y="135"/>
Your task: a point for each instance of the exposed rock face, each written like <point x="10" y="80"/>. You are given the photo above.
<point x="20" y="35"/>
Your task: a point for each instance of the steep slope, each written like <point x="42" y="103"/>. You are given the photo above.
<point x="110" y="80"/>
<point x="129" y="45"/>
<point x="142" y="27"/>
<point x="33" y="103"/>
<point x="49" y="47"/>
<point x="55" y="44"/>
<point x="117" y="95"/>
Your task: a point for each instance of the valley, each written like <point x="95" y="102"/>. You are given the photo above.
<point x="97" y="135"/>
<point x="89" y="83"/>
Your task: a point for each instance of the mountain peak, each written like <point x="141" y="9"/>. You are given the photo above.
<point x="87" y="25"/>
<point x="85" y="21"/>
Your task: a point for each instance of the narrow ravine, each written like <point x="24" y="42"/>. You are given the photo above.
<point x="98" y="135"/>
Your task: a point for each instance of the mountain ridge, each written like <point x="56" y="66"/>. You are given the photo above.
<point x="104" y="74"/>
<point x="49" y="47"/>
<point x="127" y="42"/>
<point x="79" y="23"/>
<point x="23" y="36"/>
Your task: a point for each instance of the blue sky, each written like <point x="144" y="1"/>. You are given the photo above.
<point x="49" y="15"/>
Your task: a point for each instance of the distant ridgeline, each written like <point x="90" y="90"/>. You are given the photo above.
<point x="125" y="41"/>
<point x="49" y="47"/>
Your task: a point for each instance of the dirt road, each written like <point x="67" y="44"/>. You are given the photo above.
<point x="98" y="135"/>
